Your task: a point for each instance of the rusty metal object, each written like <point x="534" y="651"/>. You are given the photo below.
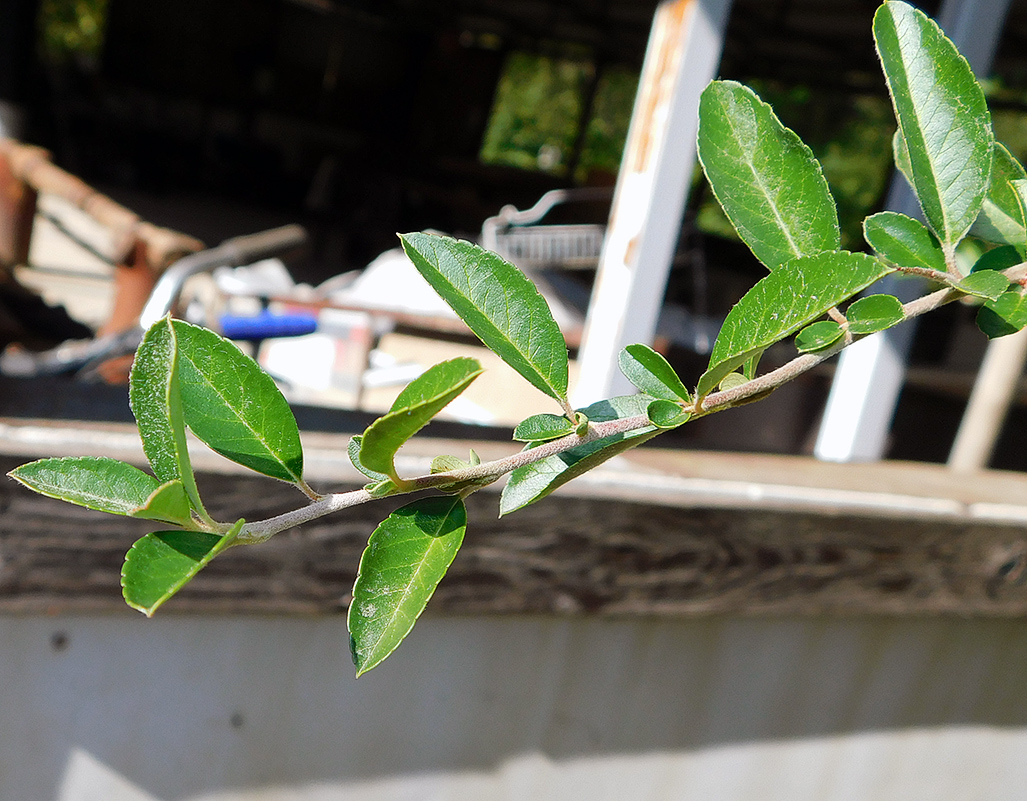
<point x="31" y="167"/>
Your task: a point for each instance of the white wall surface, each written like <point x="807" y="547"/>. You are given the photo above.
<point x="248" y="708"/>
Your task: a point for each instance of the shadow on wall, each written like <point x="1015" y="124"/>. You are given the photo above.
<point x="117" y="707"/>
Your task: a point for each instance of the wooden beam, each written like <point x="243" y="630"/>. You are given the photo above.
<point x="663" y="533"/>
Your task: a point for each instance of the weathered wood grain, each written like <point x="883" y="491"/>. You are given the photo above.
<point x="565" y="555"/>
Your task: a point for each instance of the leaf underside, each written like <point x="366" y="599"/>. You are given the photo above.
<point x="406" y="558"/>
<point x="498" y="303"/>
<point x="1002" y="215"/>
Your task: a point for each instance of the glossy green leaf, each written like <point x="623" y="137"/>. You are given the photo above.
<point x="987" y="284"/>
<point x="783" y="302"/>
<point x="767" y="180"/>
<point x="535" y="481"/>
<point x="106" y="485"/>
<point x="233" y="406"/>
<point x="406" y="558"/>
<point x="415" y="406"/>
<point x="161" y="563"/>
<point x="1002" y="216"/>
<point x="874" y="313"/>
<point x="154" y="394"/>
<point x="652" y="374"/>
<point x="498" y="303"/>
<point x="1000" y="258"/>
<point x="942" y="116"/>
<point x="1007" y="315"/>
<point x="904" y="241"/>
<point x="666" y="414"/>
<point x="818" y="336"/>
<point x="542" y="427"/>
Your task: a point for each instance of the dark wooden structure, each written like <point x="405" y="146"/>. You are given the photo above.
<point x="664" y="532"/>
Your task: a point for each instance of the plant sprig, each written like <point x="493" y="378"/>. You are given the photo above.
<point x="773" y="191"/>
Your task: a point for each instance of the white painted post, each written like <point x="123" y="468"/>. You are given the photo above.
<point x="866" y="386"/>
<point x="645" y="220"/>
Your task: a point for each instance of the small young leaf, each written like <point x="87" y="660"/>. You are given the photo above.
<point x="406" y="558"/>
<point x="1002" y="217"/>
<point x="652" y="374"/>
<point x="1000" y="258"/>
<point x="942" y="116"/>
<point x="418" y="403"/>
<point x="580" y="423"/>
<point x="353" y="449"/>
<point x="161" y="563"/>
<point x="666" y="414"/>
<point x="106" y="485"/>
<point x="817" y="336"/>
<point x="904" y="241"/>
<point x="155" y="397"/>
<point x="231" y="404"/>
<point x="535" y="481"/>
<point x="732" y="380"/>
<point x="542" y="427"/>
<point x="783" y="302"/>
<point x="767" y="180"/>
<point x="445" y="463"/>
<point x="987" y="284"/>
<point x="874" y="313"/>
<point x="1007" y="315"/>
<point x="498" y="303"/>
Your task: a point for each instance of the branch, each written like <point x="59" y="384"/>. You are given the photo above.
<point x="488" y="472"/>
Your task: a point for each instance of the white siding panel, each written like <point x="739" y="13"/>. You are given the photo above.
<point x="718" y="709"/>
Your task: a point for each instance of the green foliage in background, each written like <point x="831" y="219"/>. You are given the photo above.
<point x="774" y="193"/>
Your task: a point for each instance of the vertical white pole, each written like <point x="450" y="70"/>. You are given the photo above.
<point x="652" y="186"/>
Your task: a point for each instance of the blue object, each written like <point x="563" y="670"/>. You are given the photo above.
<point x="267" y="325"/>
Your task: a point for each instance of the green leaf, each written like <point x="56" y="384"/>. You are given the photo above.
<point x="445" y="463"/>
<point x="942" y="116"/>
<point x="155" y="397"/>
<point x="161" y="563"/>
<point x="498" y="303"/>
<point x="652" y="374"/>
<point x="1000" y="258"/>
<point x="987" y="284"/>
<point x="732" y="380"/>
<point x="418" y="403"/>
<point x="904" y="241"/>
<point x="535" y="481"/>
<point x="168" y="503"/>
<point x="1007" y="315"/>
<point x="1002" y="215"/>
<point x="817" y="336"/>
<point x="233" y="406"/>
<point x="406" y="558"/>
<point x="874" y="313"/>
<point x="542" y="427"/>
<point x="768" y="181"/>
<point x="106" y="485"/>
<point x="782" y="303"/>
<point x="667" y="414"/>
<point x="353" y="449"/>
